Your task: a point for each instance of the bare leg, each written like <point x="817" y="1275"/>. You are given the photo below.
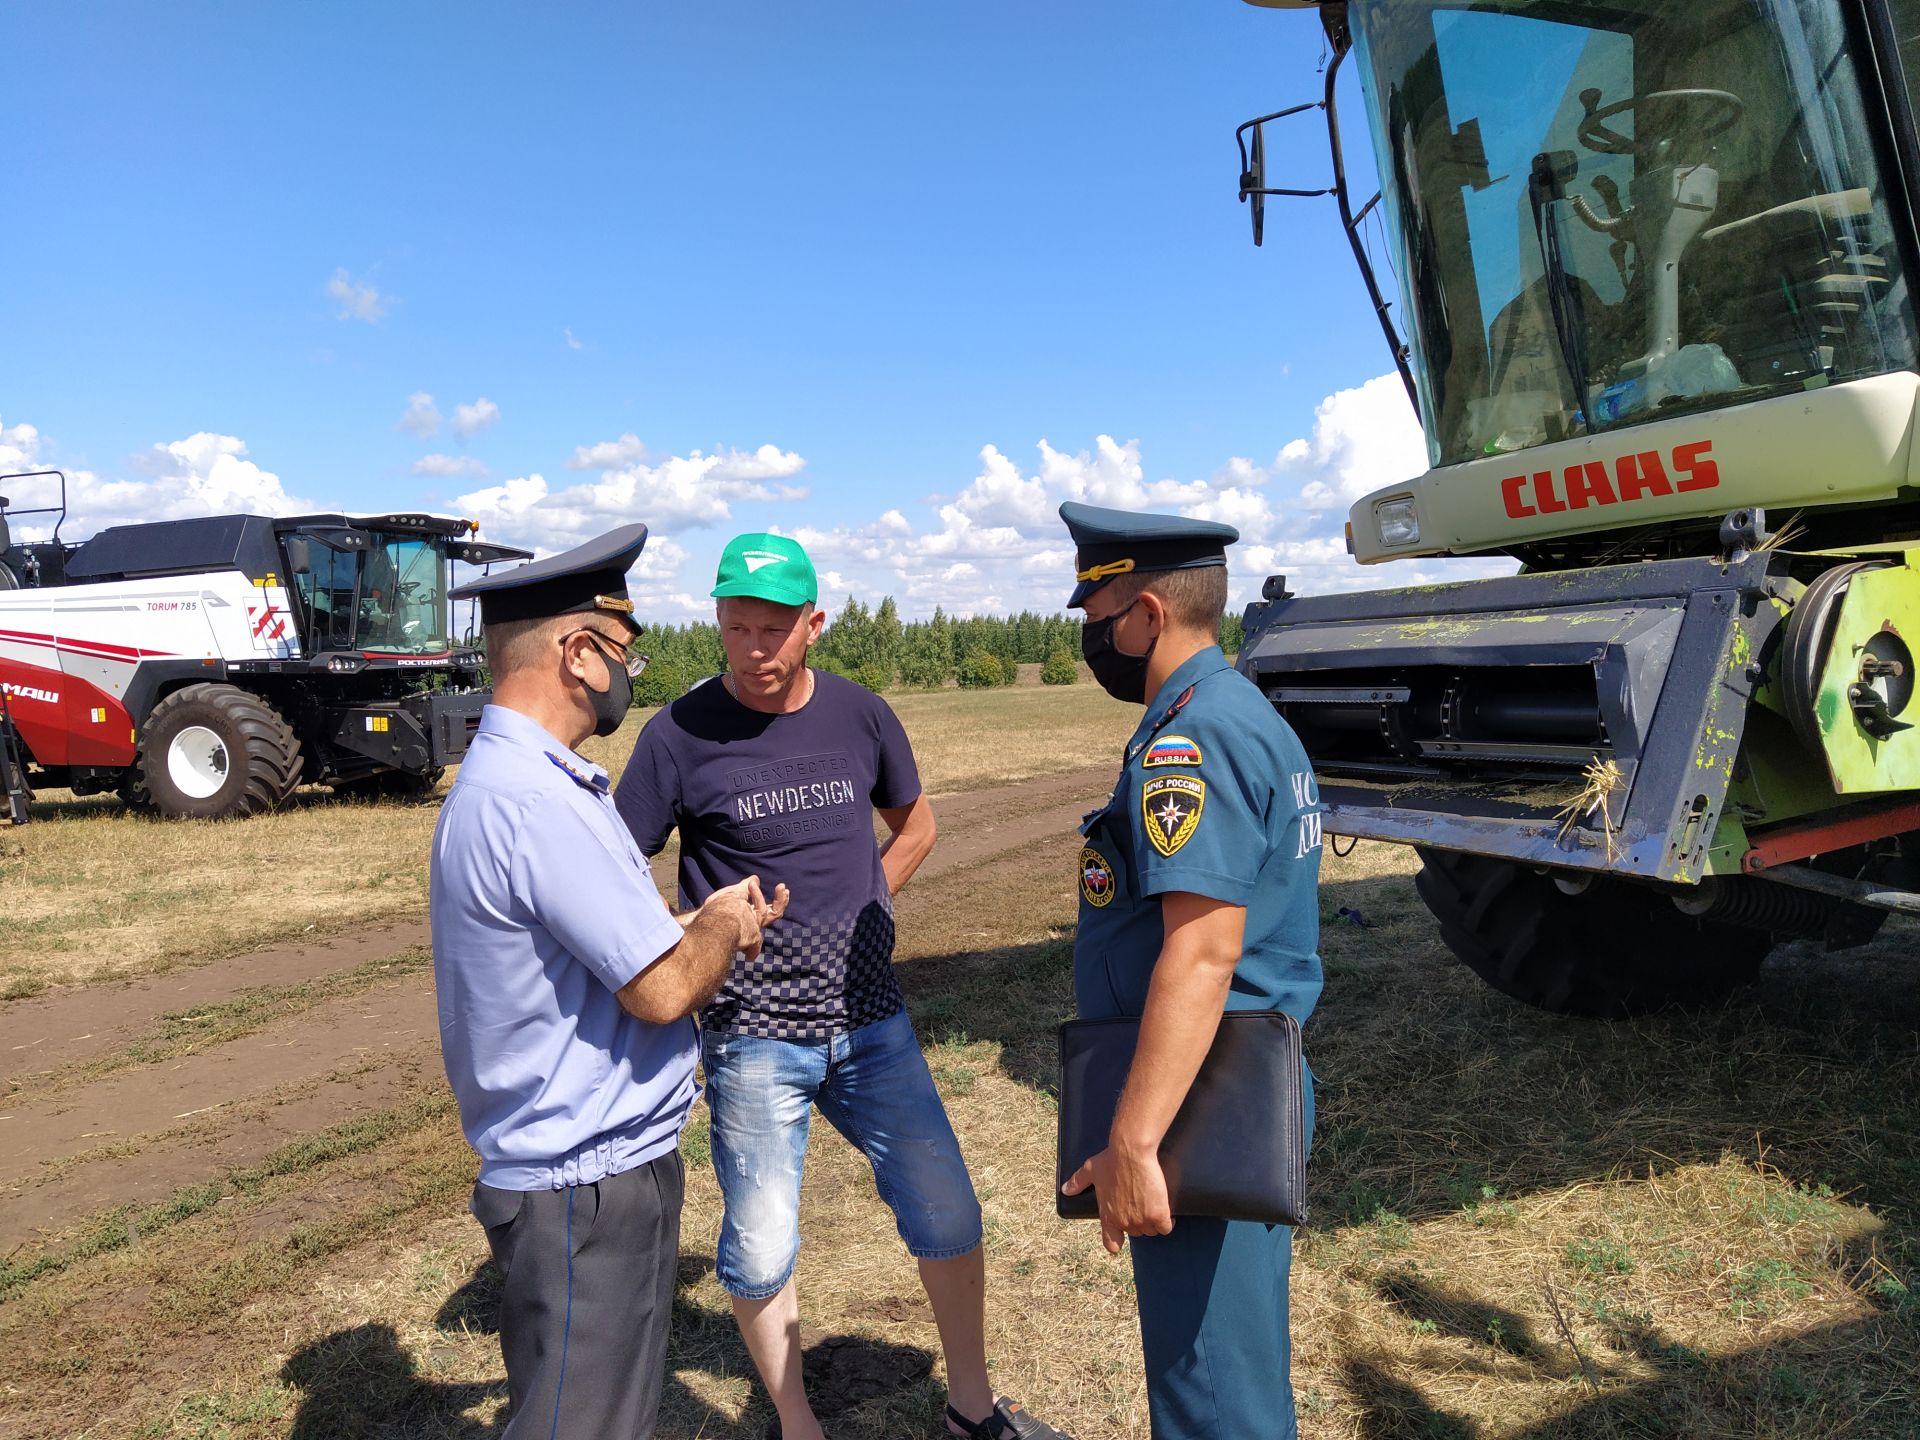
<point x="957" y="1290"/>
<point x="771" y="1328"/>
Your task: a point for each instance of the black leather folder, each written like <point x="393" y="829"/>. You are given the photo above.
<point x="1237" y="1150"/>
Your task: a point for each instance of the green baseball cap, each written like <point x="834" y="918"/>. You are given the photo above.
<point x="766" y="567"/>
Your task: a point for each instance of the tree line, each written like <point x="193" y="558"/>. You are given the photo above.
<point x="876" y="649"/>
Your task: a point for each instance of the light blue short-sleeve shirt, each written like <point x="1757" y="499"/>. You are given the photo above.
<point x="542" y="907"/>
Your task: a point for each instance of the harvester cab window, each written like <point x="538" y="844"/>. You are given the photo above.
<point x="384" y="596"/>
<point x="328" y="589"/>
<point x="1604" y="214"/>
<point x="403" y="601"/>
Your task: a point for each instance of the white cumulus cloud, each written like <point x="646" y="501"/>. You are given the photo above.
<point x="203" y="474"/>
<point x="356" y="299"/>
<point x="1362" y="439"/>
<point x="608" y="454"/>
<point x="482" y="414"/>
<point x="681" y="492"/>
<point x="998" y="543"/>
<point x="422" y="416"/>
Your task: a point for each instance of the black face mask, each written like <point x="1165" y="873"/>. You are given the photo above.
<point x="610" y="705"/>
<point x="1121" y="675"/>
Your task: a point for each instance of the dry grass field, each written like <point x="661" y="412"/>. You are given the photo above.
<point x="1695" y="1224"/>
<point x="94" y="893"/>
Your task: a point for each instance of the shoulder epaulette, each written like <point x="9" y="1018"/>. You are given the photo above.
<point x="596" y="782"/>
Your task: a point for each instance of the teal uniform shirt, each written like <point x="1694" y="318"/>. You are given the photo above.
<point x="1215" y="798"/>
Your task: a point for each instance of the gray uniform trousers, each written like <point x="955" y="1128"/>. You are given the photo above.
<point x="589" y="1294"/>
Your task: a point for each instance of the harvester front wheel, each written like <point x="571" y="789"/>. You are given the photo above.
<point x="214" y="752"/>
<point x="1614" y="949"/>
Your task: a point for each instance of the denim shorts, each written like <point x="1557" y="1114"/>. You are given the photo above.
<point x="873" y="1087"/>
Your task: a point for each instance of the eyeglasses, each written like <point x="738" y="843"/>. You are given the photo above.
<point x="630" y="661"/>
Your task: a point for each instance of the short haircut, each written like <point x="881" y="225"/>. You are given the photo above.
<point x="514" y="645"/>
<point x="1195" y="598"/>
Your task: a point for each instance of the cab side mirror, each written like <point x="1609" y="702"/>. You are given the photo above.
<point x="1253" y="183"/>
<point x="1252" y="139"/>
<point x="299" y="555"/>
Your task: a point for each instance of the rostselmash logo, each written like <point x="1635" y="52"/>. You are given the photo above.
<point x="1634" y="477"/>
<point x="758" y="560"/>
<point x="28" y="692"/>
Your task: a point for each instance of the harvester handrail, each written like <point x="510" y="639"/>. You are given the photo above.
<point x="1351" y="224"/>
<point x="60" y="509"/>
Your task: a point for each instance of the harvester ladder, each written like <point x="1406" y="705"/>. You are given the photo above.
<point x="13" y="768"/>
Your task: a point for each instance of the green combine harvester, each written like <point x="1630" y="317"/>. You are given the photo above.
<point x="1655" y="313"/>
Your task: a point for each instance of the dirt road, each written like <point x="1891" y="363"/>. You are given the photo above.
<point x="118" y="1095"/>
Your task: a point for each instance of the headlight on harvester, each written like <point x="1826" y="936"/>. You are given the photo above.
<point x="1395" y="521"/>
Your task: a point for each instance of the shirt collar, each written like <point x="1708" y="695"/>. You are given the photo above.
<point x="523" y="730"/>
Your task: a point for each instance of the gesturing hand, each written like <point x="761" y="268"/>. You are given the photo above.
<point x="752" y="911"/>
<point x="1132" y="1193"/>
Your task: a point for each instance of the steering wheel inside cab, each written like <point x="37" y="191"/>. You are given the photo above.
<point x="1673" y="131"/>
<point x="1675" y="122"/>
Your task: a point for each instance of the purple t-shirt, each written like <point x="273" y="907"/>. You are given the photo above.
<point x="789" y="798"/>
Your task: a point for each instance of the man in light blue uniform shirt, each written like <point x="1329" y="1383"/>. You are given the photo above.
<point x="566" y="993"/>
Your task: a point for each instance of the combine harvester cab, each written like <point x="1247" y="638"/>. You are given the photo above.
<point x="205" y="668"/>
<point x="1656" y="318"/>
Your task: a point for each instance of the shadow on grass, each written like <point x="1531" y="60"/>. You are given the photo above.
<point x="1436" y="1093"/>
<point x="1452" y="1312"/>
<point x="1853" y="1379"/>
<point x="1438" y="1096"/>
<point x="1786" y="1388"/>
<point x="1394" y="1410"/>
<point x="361" y="1382"/>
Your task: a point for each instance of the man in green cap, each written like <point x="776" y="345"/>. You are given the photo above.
<point x="776" y="769"/>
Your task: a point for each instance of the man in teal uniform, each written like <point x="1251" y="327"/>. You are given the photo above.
<point x="1198" y="894"/>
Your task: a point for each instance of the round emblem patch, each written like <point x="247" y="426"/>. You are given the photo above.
<point x="1096" y="878"/>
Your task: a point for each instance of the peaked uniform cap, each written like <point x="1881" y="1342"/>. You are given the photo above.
<point x="586" y="580"/>
<point x="760" y="566"/>
<point x="1121" y="542"/>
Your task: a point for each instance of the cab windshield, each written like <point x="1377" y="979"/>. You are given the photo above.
<point x="384" y="596"/>
<point x="1607" y="214"/>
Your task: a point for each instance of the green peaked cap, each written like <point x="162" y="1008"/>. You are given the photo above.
<point x="760" y="566"/>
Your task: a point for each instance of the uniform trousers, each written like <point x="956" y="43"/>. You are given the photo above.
<point x="584" y="1315"/>
<point x="1213" y="1326"/>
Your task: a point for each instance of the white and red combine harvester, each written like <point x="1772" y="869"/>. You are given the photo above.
<point x="207" y="667"/>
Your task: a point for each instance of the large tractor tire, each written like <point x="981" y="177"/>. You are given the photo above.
<point x="1615" y="949"/>
<point x="213" y="752"/>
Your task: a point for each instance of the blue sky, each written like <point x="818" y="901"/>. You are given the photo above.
<point x="717" y="266"/>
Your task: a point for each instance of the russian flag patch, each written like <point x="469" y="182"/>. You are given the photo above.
<point x="1170" y="750"/>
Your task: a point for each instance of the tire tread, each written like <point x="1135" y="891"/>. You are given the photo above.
<point x="1615" y="950"/>
<point x="269" y="749"/>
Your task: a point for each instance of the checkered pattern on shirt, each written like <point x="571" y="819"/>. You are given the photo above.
<point x="812" y="981"/>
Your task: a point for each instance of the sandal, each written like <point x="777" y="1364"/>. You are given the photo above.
<point x="1007" y="1422"/>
